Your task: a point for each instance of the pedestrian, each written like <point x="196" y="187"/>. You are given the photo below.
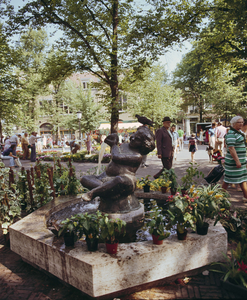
<point x="32" y="141"/>
<point x="164" y="145"/>
<point x="180" y="138"/>
<point x="211" y="133"/>
<point x="220" y="133"/>
<point x="8" y="154"/>
<point x="24" y="145"/>
<point x="193" y="146"/>
<point x="44" y="142"/>
<point x="120" y="137"/>
<point x="15" y="140"/>
<point x="175" y="138"/>
<point x="7" y="143"/>
<point x="89" y="143"/>
<point x="235" y="160"/>
<point x="201" y="133"/>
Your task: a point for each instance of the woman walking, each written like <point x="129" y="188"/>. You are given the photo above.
<point x="201" y="139"/>
<point x="235" y="160"/>
<point x="192" y="146"/>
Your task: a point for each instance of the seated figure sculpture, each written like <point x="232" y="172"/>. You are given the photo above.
<point x="117" y="184"/>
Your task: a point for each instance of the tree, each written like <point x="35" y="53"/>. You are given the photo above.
<point x="152" y="97"/>
<point x="56" y="70"/>
<point x="190" y="77"/>
<point x="32" y="56"/>
<point x="9" y="84"/>
<point x="108" y="36"/>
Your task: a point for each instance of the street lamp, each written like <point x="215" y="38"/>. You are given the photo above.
<point x="79" y="118"/>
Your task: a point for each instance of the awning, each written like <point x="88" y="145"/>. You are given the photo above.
<point x="121" y="125"/>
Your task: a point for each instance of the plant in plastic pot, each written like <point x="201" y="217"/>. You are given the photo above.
<point x="70" y="230"/>
<point x="156" y="225"/>
<point x="90" y="226"/>
<point x="180" y="213"/>
<point x="145" y="182"/>
<point x="111" y="231"/>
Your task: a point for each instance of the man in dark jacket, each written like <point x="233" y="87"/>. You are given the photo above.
<point x="164" y="145"/>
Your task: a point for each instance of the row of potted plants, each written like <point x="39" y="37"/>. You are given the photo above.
<point x="95" y="227"/>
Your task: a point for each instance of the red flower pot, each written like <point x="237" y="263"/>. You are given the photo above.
<point x="184" y="192"/>
<point x="156" y="240"/>
<point x="111" y="248"/>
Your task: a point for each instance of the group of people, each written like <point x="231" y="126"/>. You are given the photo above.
<point x="11" y="143"/>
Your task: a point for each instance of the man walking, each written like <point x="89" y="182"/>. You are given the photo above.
<point x="180" y="138"/>
<point x="164" y="145"/>
<point x="220" y="133"/>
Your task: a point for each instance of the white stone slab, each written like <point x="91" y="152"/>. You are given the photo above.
<point x="98" y="273"/>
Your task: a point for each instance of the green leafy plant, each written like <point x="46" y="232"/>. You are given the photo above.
<point x="180" y="213"/>
<point x="145" y="181"/>
<point x="90" y="224"/>
<point x="191" y="174"/>
<point x="9" y="200"/>
<point x="112" y="229"/>
<point x="155" y="222"/>
<point x="71" y="226"/>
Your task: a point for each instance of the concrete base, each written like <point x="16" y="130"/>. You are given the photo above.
<point x="98" y="273"/>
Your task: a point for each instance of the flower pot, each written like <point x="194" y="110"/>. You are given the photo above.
<point x="173" y="191"/>
<point x="156" y="240"/>
<point x="111" y="248"/>
<point x="6" y="239"/>
<point x="23" y="205"/>
<point x="234" y="288"/>
<point x="69" y="239"/>
<point x="182" y="236"/>
<point x="184" y="192"/>
<point x="92" y="244"/>
<point x="203" y="230"/>
<point x="164" y="189"/>
<point x="146" y="188"/>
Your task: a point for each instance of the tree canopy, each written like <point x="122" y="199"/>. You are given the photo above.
<point x="107" y="36"/>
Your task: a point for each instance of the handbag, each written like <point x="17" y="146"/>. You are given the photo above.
<point x="215" y="174"/>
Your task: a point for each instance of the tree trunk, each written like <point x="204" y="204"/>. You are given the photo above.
<point x="114" y="71"/>
<point x="1" y="131"/>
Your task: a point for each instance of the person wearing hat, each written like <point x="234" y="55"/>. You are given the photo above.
<point x="164" y="145"/>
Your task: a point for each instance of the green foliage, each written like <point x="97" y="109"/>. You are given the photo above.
<point x="9" y="200"/>
<point x="144" y="181"/>
<point x="111" y="229"/>
<point x="90" y="224"/>
<point x="155" y="222"/>
<point x="71" y="225"/>
<point x="22" y="186"/>
<point x="189" y="178"/>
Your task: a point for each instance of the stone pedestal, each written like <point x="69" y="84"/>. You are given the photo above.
<point x="98" y="273"/>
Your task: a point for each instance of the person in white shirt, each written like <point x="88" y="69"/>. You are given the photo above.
<point x="220" y="133"/>
<point x="32" y="141"/>
<point x="175" y="137"/>
<point x="15" y="140"/>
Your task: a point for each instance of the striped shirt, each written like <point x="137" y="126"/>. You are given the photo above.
<point x="233" y="174"/>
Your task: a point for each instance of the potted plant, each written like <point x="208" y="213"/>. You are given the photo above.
<point x="172" y="177"/>
<point x="111" y="231"/>
<point x="156" y="225"/>
<point x="235" y="268"/>
<point x="161" y="185"/>
<point x="10" y="209"/>
<point x="70" y="230"/>
<point x="180" y="213"/>
<point x="145" y="182"/>
<point x="209" y="201"/>
<point x="189" y="178"/>
<point x="90" y="225"/>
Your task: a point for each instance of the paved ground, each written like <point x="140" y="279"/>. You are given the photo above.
<point x="19" y="280"/>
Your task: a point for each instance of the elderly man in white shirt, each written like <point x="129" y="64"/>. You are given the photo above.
<point x="220" y="133"/>
<point x="32" y="141"/>
<point x="175" y="137"/>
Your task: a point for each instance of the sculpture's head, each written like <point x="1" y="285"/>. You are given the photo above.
<point x="143" y="140"/>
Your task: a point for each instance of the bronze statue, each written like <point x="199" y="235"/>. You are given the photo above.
<point x="117" y="184"/>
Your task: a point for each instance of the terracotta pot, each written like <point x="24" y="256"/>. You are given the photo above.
<point x="173" y="192"/>
<point x="146" y="188"/>
<point x="182" y="236"/>
<point x="156" y="240"/>
<point x="111" y="248"/>
<point x="203" y="230"/>
<point x="69" y="239"/>
<point x="163" y="189"/>
<point x="92" y="244"/>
